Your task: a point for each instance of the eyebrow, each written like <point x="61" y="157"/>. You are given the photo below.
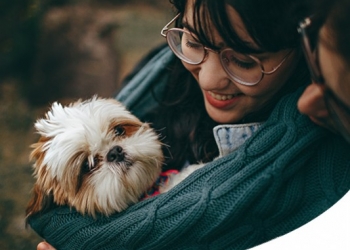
<point x="189" y="27"/>
<point x="249" y="45"/>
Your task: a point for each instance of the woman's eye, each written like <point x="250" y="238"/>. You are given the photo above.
<point x="193" y="45"/>
<point x="119" y="130"/>
<point x="191" y="42"/>
<point x="242" y="64"/>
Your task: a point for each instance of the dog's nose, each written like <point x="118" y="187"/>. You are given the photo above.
<point x="115" y="154"/>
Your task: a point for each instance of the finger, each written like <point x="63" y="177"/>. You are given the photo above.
<point x="44" y="246"/>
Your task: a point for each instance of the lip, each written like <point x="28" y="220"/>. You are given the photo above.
<point x="221" y="101"/>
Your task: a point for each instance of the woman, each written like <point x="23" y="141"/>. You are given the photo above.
<point x="239" y="80"/>
<point x="193" y="83"/>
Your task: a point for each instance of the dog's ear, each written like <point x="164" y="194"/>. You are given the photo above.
<point x="40" y="202"/>
<point x="53" y="122"/>
<point x="38" y="151"/>
<point x="40" y="127"/>
<point x="46" y="127"/>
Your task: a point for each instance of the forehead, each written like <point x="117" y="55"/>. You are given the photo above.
<point x="235" y="21"/>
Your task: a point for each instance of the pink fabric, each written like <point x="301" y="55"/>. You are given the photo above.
<point x="161" y="181"/>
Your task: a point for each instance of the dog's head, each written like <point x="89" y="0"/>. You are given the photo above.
<point x="94" y="156"/>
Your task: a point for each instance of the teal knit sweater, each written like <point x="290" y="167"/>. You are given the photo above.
<point x="289" y="172"/>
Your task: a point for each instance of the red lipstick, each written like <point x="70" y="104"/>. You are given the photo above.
<point x="221" y="104"/>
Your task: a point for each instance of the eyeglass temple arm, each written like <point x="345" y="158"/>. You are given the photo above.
<point x="166" y="27"/>
<point x="279" y="65"/>
<point x="304" y="24"/>
<point x="314" y="70"/>
<point x="301" y="29"/>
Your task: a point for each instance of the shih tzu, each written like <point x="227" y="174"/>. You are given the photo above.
<point x="93" y="155"/>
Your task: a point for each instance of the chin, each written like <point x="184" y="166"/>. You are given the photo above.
<point x="94" y="156"/>
<point x="223" y="116"/>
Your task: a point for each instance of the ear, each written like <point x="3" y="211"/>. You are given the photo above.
<point x="54" y="119"/>
<point x="40" y="202"/>
<point x="38" y="152"/>
<point x="44" y="127"/>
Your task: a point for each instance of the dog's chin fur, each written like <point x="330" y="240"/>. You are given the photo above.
<point x="94" y="156"/>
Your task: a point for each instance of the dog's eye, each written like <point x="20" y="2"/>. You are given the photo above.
<point x="119" y="130"/>
<point x="85" y="168"/>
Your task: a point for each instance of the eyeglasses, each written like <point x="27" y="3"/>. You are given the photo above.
<point x="339" y="112"/>
<point x="243" y="69"/>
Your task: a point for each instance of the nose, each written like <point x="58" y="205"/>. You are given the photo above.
<point x="116" y="154"/>
<point x="312" y="103"/>
<point x="211" y="74"/>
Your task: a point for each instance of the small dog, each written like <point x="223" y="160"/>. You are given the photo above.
<point x="94" y="156"/>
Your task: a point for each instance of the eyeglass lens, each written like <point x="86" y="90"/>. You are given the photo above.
<point x="185" y="46"/>
<point x="339" y="113"/>
<point x="241" y="68"/>
<point x="310" y="49"/>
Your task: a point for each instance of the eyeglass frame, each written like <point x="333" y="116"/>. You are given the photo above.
<point x="317" y="77"/>
<point x="311" y="59"/>
<point x="166" y="29"/>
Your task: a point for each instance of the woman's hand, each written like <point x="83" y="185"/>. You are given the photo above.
<point x="44" y="246"/>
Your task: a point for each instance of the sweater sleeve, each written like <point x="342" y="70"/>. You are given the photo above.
<point x="289" y="172"/>
<point x="140" y="93"/>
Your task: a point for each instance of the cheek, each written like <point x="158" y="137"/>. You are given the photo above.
<point x="268" y="86"/>
<point x="193" y="69"/>
<point x="272" y="83"/>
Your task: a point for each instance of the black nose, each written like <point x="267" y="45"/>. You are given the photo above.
<point x="115" y="154"/>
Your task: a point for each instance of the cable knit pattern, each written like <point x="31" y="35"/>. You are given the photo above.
<point x="139" y="94"/>
<point x="287" y="173"/>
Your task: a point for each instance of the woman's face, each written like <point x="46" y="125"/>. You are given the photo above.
<point x="225" y="100"/>
<point x="337" y="79"/>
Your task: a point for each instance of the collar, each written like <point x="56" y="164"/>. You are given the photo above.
<point x="229" y="137"/>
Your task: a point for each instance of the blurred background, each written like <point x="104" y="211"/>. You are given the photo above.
<point x="60" y="50"/>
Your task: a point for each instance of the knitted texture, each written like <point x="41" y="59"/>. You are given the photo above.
<point x="289" y="172"/>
